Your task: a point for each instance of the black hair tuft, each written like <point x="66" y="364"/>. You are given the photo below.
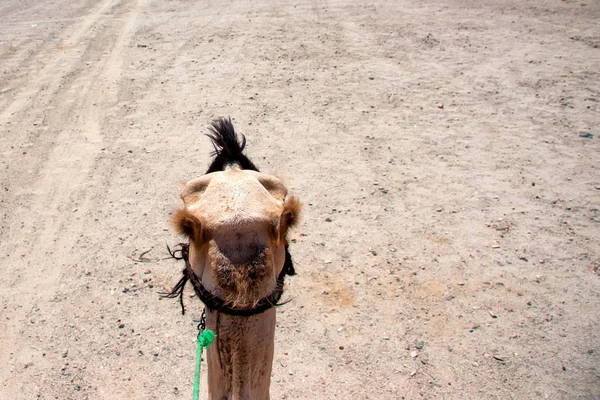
<point x="228" y="148"/>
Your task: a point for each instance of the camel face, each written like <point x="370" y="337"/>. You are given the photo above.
<point x="237" y="222"/>
<point x="237" y="219"/>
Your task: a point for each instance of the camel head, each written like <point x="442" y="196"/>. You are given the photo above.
<point x="237" y="220"/>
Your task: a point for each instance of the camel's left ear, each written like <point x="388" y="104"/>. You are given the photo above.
<point x="187" y="224"/>
<point x="290" y="216"/>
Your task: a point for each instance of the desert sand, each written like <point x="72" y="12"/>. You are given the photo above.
<point x="449" y="247"/>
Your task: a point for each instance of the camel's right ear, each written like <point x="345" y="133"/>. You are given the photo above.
<point x="290" y="216"/>
<point x="187" y="224"/>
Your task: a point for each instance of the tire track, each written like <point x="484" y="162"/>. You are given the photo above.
<point x="45" y="77"/>
<point x="58" y="196"/>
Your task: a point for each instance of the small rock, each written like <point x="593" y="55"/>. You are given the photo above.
<point x="492" y="314"/>
<point x="327" y="219"/>
<point x="424" y="358"/>
<point x="414" y="354"/>
<point x="419" y="344"/>
<point x="29" y="364"/>
<point x="341" y="347"/>
<point x="121" y="326"/>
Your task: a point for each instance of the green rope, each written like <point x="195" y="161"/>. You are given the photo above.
<point x="205" y="339"/>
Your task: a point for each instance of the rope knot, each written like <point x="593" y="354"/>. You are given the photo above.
<point x="206" y="338"/>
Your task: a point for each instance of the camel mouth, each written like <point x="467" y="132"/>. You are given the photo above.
<point x="244" y="281"/>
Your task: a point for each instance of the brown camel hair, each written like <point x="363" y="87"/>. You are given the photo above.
<point x="237" y="220"/>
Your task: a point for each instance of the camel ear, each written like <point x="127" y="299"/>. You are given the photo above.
<point x="291" y="214"/>
<point x="187" y="224"/>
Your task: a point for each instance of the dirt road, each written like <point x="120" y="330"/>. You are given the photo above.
<point x="450" y="244"/>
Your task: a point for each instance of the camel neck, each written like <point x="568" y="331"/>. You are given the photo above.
<point x="241" y="358"/>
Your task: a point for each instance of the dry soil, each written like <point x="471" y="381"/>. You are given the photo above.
<point x="450" y="242"/>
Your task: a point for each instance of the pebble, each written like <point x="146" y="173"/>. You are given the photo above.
<point x="419" y="344"/>
<point x="414" y="354"/>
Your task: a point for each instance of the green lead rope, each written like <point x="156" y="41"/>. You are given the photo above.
<point x="205" y="339"/>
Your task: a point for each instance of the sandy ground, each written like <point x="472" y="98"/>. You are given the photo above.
<point x="450" y="242"/>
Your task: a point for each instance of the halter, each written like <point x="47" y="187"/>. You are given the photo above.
<point x="211" y="300"/>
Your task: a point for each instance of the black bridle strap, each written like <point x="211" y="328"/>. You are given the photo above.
<point x="212" y="301"/>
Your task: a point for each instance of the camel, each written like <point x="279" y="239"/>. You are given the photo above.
<point x="236" y="220"/>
